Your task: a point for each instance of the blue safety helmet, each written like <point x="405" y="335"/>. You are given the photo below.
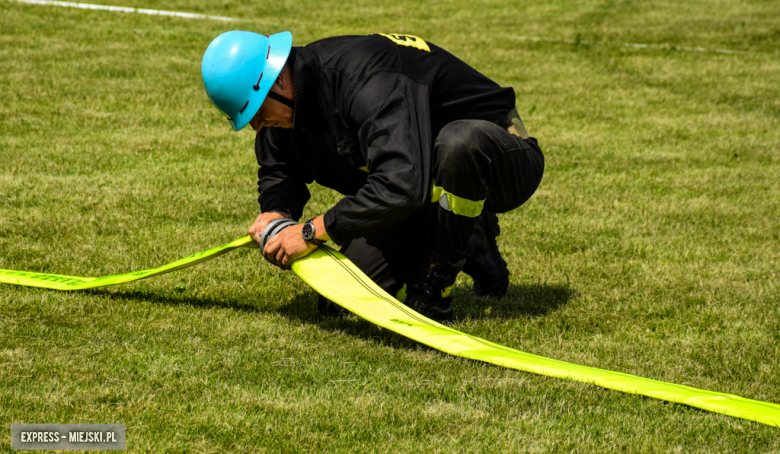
<point x="238" y="70"/>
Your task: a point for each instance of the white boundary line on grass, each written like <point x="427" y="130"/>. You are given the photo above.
<point x="642" y="46"/>
<point x="123" y="9"/>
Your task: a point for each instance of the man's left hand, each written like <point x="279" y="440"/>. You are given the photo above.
<point x="287" y="246"/>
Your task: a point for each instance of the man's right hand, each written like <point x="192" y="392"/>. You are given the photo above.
<point x="256" y="230"/>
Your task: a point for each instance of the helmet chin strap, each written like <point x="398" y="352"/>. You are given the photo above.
<point x="284" y="100"/>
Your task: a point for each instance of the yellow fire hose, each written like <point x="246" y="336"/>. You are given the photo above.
<point x="336" y="278"/>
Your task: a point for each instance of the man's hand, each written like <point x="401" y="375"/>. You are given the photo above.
<point x="256" y="230"/>
<point x="287" y="246"/>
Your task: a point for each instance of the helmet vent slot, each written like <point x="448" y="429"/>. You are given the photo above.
<point x="245" y="104"/>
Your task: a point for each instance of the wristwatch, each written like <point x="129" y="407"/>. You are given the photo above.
<point x="309" y="233"/>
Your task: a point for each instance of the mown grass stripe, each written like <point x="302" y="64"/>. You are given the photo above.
<point x="641" y="45"/>
<point x="124" y="9"/>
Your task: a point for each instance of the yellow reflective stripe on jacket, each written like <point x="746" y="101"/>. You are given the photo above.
<point x="407" y="40"/>
<point x="458" y="205"/>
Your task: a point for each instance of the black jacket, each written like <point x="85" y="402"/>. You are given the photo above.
<point x="367" y="112"/>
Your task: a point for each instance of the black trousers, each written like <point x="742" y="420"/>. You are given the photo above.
<point x="478" y="165"/>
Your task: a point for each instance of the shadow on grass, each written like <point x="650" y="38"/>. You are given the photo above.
<point x="302" y="308"/>
<point x="521" y="301"/>
<point x="176" y="299"/>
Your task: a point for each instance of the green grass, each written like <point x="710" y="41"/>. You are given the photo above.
<point x="652" y="246"/>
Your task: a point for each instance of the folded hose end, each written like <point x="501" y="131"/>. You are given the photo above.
<point x="274" y="227"/>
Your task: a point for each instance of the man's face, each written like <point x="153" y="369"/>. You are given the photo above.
<point x="272" y="114"/>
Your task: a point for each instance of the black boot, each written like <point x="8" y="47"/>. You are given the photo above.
<point x="328" y="308"/>
<point x="429" y="293"/>
<point x="483" y="259"/>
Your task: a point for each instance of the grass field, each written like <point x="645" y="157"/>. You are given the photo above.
<point x="652" y="246"/>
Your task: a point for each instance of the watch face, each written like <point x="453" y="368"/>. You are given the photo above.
<point x="308" y="231"/>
